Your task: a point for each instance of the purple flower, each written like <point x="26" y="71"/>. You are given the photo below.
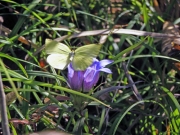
<point x="85" y="80"/>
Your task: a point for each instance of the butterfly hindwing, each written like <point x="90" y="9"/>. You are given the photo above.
<point x="84" y="55"/>
<point x="59" y="54"/>
<point x="58" y="61"/>
<point x="81" y="63"/>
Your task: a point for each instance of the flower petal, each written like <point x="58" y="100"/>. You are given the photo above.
<point x="70" y="71"/>
<point x="107" y="70"/>
<point x="89" y="74"/>
<point x="75" y="78"/>
<point x="96" y="78"/>
<point x="105" y="62"/>
<point x="95" y="60"/>
<point x="89" y="85"/>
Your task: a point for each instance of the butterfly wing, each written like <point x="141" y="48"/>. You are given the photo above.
<point x="84" y="55"/>
<point x="52" y="46"/>
<point x="58" y="61"/>
<point x="59" y="56"/>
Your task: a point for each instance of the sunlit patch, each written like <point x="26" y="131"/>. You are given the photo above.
<point x="42" y="63"/>
<point x="175" y="46"/>
<point x="177" y="65"/>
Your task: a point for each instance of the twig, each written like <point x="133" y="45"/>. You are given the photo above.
<point x="130" y="80"/>
<point x="4" y="117"/>
<point x="122" y="31"/>
<point x="1" y="21"/>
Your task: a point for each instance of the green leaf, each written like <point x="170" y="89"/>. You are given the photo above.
<point x="15" y="61"/>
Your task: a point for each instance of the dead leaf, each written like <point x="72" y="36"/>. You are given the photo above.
<point x="10" y="97"/>
<point x="167" y="45"/>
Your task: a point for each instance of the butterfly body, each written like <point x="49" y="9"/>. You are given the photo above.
<point x="71" y="54"/>
<point x="61" y="55"/>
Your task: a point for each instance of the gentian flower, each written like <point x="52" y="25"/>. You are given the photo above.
<point x="85" y="80"/>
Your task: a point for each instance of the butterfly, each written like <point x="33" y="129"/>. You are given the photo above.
<point x="61" y="55"/>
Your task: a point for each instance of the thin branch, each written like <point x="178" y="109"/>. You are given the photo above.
<point x="122" y="31"/>
<point x="4" y="117"/>
<point x="130" y="80"/>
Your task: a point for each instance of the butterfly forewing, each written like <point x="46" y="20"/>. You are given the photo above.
<point x="84" y="55"/>
<point x="58" y="61"/>
<point x="52" y="47"/>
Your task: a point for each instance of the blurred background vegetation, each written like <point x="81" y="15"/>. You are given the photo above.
<point x="38" y="97"/>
